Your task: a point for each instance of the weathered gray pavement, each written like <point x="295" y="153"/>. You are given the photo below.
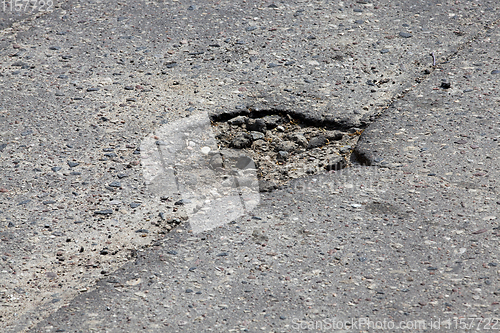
<point x="413" y="236"/>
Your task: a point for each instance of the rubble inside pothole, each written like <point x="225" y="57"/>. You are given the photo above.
<point x="283" y="148"/>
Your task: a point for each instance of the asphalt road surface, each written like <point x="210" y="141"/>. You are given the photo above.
<point x="124" y="209"/>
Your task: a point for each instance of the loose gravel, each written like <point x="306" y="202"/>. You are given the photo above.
<point x="284" y="148"/>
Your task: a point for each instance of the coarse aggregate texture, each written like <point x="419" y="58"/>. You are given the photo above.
<point x="450" y="133"/>
<point x="283" y="148"/>
<point x="83" y="85"/>
<point x="367" y="243"/>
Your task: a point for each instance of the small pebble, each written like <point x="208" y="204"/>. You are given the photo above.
<point x="104" y="212"/>
<point x="317" y="141"/>
<point x="240" y="120"/>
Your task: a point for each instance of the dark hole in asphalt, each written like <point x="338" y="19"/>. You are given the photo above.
<point x="283" y="146"/>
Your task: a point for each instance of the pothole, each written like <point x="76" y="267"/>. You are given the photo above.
<point x="210" y="172"/>
<point x="282" y="147"/>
